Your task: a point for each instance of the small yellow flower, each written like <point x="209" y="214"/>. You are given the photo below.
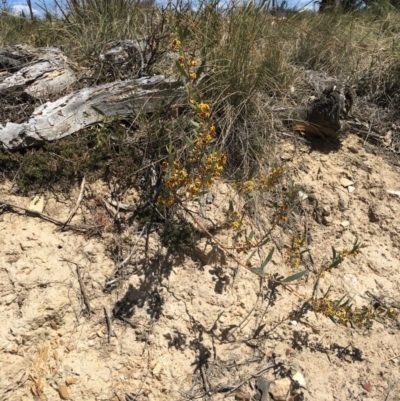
<point x="192" y="63"/>
<point x="176" y="43"/>
<point x="204" y="107"/>
<point x="192" y="75"/>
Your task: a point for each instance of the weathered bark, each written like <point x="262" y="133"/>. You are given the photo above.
<point x="78" y="110"/>
<point x="43" y="72"/>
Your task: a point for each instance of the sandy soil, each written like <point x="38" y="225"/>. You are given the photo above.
<point x="189" y="324"/>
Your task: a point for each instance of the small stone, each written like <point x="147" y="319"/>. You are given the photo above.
<point x="242" y="396"/>
<point x="324" y="158"/>
<point x="37" y="204"/>
<point x="299" y="378"/>
<point x="100" y="333"/>
<point x="346" y="182"/>
<point x="70" y="380"/>
<point x="326" y="220"/>
<point x="293" y="322"/>
<point x="351" y="189"/>
<point x="279" y="389"/>
<point x="91" y="343"/>
<point x="54" y="325"/>
<point x="70" y="347"/>
<point x="63" y="390"/>
<point x="280" y="349"/>
<point x="393" y="192"/>
<point x="345" y="223"/>
<point x="295" y="366"/>
<point x="157" y="369"/>
<point x="367" y="386"/>
<point x="302" y="195"/>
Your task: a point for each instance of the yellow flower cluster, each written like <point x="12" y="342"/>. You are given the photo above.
<point x="204" y="165"/>
<point x="272" y="179"/>
<point x="344" y="314"/>
<point x="293" y="254"/>
<point x="176" y="44"/>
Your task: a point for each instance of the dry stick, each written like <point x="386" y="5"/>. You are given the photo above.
<point x="83" y="291"/>
<point x="389" y="391"/>
<point x="260" y="372"/>
<point x="110" y="330"/>
<point x="204" y="377"/>
<point x="45" y="217"/>
<point x="73" y="211"/>
<point x="128" y="258"/>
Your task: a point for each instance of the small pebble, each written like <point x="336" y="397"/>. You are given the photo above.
<point x="345" y="224"/>
<point x="324" y="158"/>
<point x="63" y="390"/>
<point x="346" y="182"/>
<point x="351" y="189"/>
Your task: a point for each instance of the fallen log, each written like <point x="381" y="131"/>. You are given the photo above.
<point x="81" y="109"/>
<point x="42" y="72"/>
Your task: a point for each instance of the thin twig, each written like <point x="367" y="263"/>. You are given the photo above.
<point x="83" y="291"/>
<point x="260" y="372"/>
<point x="73" y="211"/>
<point x="389" y="391"/>
<point x="43" y="216"/>
<point x="204" y="377"/>
<point x="128" y="258"/>
<point x="110" y="331"/>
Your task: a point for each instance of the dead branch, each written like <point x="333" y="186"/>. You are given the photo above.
<point x="73" y="211"/>
<point x="83" y="290"/>
<point x="43" y="216"/>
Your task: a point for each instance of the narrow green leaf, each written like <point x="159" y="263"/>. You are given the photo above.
<point x="181" y="70"/>
<point x="268" y="259"/>
<point x="195" y="124"/>
<point x="251" y="173"/>
<point x="251" y="255"/>
<point x="335" y="263"/>
<point x="260" y="272"/>
<point x="264" y="242"/>
<point x="251" y="235"/>
<point x="97" y="110"/>
<point x="231" y="206"/>
<point x="295" y="277"/>
<point x="190" y="142"/>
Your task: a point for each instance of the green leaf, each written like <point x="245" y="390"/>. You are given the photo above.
<point x="183" y="33"/>
<point x="336" y="263"/>
<point x="260" y="272"/>
<point x="251" y="255"/>
<point x="251" y="235"/>
<point x="190" y="142"/>
<point x="181" y="70"/>
<point x="263" y="242"/>
<point x="251" y="194"/>
<point x="327" y="292"/>
<point x="251" y="173"/>
<point x="195" y="124"/>
<point x="97" y="110"/>
<point x="268" y="259"/>
<point x="295" y="277"/>
<point x="231" y="206"/>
